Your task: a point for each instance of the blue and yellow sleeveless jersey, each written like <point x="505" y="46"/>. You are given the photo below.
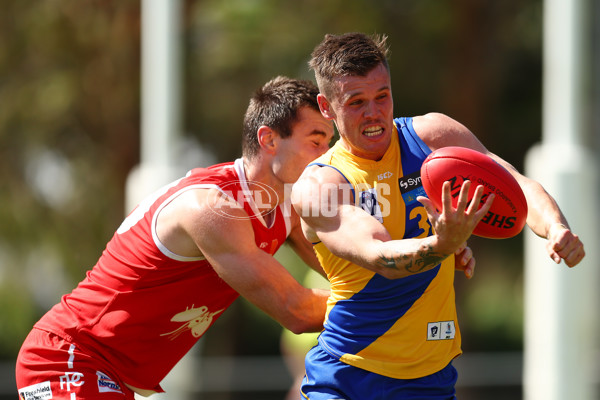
<point x="404" y="328"/>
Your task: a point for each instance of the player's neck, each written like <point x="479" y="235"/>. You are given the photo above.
<point x="261" y="179"/>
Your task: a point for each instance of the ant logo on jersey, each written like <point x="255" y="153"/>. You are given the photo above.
<point x="198" y="320"/>
<point x="234" y="195"/>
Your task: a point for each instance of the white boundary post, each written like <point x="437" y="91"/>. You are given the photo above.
<point x="160" y="98"/>
<point x="160" y="137"/>
<point x="561" y="304"/>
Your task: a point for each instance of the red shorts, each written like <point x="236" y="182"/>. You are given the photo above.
<point x="50" y="367"/>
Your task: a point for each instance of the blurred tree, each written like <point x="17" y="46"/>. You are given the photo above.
<point x="235" y="46"/>
<point x="69" y="73"/>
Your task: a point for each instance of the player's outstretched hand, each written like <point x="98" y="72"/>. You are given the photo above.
<point x="464" y="260"/>
<point x="564" y="245"/>
<point x="454" y="225"/>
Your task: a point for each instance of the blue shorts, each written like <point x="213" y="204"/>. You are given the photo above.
<point x="327" y="378"/>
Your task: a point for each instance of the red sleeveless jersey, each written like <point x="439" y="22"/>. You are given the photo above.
<point x="142" y="307"/>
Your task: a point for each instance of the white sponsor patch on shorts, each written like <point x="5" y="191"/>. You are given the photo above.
<point x="107" y="384"/>
<point x="39" y="391"/>
<point x="443" y="330"/>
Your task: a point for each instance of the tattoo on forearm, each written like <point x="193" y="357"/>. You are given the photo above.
<point x="412" y="263"/>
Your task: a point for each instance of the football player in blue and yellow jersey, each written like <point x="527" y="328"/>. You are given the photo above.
<point x="391" y="330"/>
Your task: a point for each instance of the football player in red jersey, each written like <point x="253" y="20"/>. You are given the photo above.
<point x="180" y="259"/>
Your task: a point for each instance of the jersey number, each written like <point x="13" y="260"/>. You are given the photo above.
<point x="420" y="215"/>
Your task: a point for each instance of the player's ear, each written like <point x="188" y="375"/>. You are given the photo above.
<point x="267" y="139"/>
<point x="325" y="106"/>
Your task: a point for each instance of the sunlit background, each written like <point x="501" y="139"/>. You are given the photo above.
<point x="70" y="109"/>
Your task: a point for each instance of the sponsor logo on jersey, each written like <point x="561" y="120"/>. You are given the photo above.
<point x="443" y="330"/>
<point x="71" y="378"/>
<point x="411" y="187"/>
<point x="39" y="391"/>
<point x="385" y="175"/>
<point x="107" y="384"/>
<point x="368" y="201"/>
<point x="410" y="182"/>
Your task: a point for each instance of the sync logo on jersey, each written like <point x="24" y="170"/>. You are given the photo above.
<point x="411" y="187"/>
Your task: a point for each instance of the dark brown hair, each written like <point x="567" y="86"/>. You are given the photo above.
<point x="349" y="54"/>
<point x="276" y="105"/>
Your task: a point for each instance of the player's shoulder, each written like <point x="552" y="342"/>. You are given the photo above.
<point x="321" y="174"/>
<point x="439" y="130"/>
<point x="213" y="174"/>
<point x="203" y="205"/>
<point x="319" y="183"/>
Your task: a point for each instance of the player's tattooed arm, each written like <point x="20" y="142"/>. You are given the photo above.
<point x="424" y="259"/>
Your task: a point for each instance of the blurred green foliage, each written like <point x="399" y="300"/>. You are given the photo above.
<point x="70" y="111"/>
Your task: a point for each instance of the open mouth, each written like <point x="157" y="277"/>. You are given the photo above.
<point x="373" y="131"/>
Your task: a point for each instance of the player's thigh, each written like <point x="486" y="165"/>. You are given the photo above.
<point x="49" y="367"/>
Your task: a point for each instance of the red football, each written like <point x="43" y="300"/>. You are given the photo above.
<point x="508" y="214"/>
